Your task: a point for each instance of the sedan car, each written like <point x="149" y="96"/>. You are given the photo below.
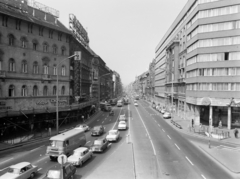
<point x="97" y="130"/>
<point x="67" y="169"/>
<point x="79" y="156"/>
<point x="113" y="135"/>
<point x="22" y="170"/>
<point x="122" y="117"/>
<point x="122" y="125"/>
<point x="135" y="104"/>
<point x="166" y="115"/>
<point x="84" y="127"/>
<point x="99" y="145"/>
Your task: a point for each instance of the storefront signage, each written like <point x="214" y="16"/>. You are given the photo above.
<point x="42" y="102"/>
<point x="78" y="31"/>
<point x="53" y="101"/>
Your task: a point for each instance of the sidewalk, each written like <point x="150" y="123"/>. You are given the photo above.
<point x="226" y="156"/>
<point x="5" y="146"/>
<point x="118" y="165"/>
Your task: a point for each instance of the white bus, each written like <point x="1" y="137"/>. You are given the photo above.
<point x="65" y="143"/>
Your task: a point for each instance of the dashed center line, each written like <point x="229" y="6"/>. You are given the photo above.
<point x="203" y="176"/>
<point x="169" y="137"/>
<point x="6" y="160"/>
<point x="163" y="130"/>
<point x="177" y="146"/>
<point x="189" y="160"/>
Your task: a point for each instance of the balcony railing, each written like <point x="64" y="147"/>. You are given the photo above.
<point x="46" y="77"/>
<point x="2" y="74"/>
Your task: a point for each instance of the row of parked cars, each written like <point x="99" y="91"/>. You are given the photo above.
<point x="162" y="110"/>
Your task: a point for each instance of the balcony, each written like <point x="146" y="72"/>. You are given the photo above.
<point x="2" y="74"/>
<point x="46" y="77"/>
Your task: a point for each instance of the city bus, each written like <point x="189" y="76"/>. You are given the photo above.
<point x="65" y="143"/>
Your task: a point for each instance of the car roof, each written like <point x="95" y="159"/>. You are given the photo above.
<point x="20" y="165"/>
<point x="100" y="139"/>
<point x="122" y="122"/>
<point x="81" y="149"/>
<point x="95" y="127"/>
<point x="113" y="130"/>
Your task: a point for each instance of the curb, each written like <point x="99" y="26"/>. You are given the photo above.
<point x="218" y="161"/>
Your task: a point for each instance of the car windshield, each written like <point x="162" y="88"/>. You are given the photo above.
<point x="122" y="122"/>
<point x="97" y="142"/>
<point x="96" y="128"/>
<point x="14" y="170"/>
<point x="76" y="153"/>
<point x="56" y="143"/>
<point x="112" y="132"/>
<point x="54" y="174"/>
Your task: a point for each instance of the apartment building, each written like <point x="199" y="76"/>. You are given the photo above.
<point x="198" y="63"/>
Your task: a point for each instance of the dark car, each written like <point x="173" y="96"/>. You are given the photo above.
<point x="99" y="145"/>
<point x="55" y="172"/>
<point x="97" y="130"/>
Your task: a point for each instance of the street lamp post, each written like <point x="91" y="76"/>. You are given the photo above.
<point x="57" y="115"/>
<point x="99" y="87"/>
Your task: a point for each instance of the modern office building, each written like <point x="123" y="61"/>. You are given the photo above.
<point x="198" y="63"/>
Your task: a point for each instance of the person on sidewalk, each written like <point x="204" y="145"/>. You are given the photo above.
<point x="192" y="123"/>
<point x="220" y="125"/>
<point x="236" y="133"/>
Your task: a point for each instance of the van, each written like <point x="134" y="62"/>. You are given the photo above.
<point x="119" y="104"/>
<point x="65" y="143"/>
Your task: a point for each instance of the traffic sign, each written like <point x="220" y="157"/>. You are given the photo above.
<point x="78" y="55"/>
<point x="62" y="159"/>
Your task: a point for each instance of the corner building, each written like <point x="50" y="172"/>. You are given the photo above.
<point x="201" y="55"/>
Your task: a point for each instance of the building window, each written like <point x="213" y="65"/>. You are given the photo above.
<point x="24" y="66"/>
<point x="45" y="47"/>
<point x="54" y="70"/>
<point x="30" y="28"/>
<point x="11" y="91"/>
<point x="24" y="90"/>
<point x="35" y="91"/>
<point x="35" y="68"/>
<point x="54" y="49"/>
<point x="23" y="42"/>
<point x="59" y="36"/>
<point x="63" y="49"/>
<point x="67" y="38"/>
<point x="63" y="71"/>
<point x="50" y="34"/>
<point x="11" y="65"/>
<point x="63" y="90"/>
<point x="45" y="69"/>
<point x="11" y="40"/>
<point x="45" y="91"/>
<point x="18" y="24"/>
<point x="41" y="31"/>
<point x="54" y="90"/>
<point x="4" y="20"/>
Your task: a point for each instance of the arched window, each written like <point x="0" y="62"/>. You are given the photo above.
<point x="11" y="39"/>
<point x="63" y="70"/>
<point x="24" y="90"/>
<point x="63" y="90"/>
<point x="54" y="69"/>
<point x="35" y="68"/>
<point x="45" y="69"/>
<point x="45" y="91"/>
<point x="35" y="90"/>
<point x="24" y="66"/>
<point x="23" y="42"/>
<point x="35" y="44"/>
<point x="45" y="47"/>
<point x="11" y="64"/>
<point x="11" y="91"/>
<point x="63" y="50"/>
<point x="54" y="49"/>
<point x="54" y="90"/>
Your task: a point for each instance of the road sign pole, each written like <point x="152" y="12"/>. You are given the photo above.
<point x="62" y="167"/>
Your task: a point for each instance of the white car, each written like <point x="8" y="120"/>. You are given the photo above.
<point x="122" y="125"/>
<point x="166" y="115"/>
<point x="84" y="127"/>
<point x="22" y="170"/>
<point x="113" y="135"/>
<point x="135" y="104"/>
<point x="122" y="117"/>
<point x="79" y="156"/>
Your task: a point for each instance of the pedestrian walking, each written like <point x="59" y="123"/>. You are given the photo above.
<point x="236" y="133"/>
<point x="220" y="124"/>
<point x="192" y="123"/>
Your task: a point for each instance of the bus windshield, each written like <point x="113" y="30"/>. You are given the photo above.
<point x="56" y="143"/>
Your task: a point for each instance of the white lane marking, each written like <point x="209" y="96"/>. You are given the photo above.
<point x="169" y="137"/>
<point x="163" y="130"/>
<point x="3" y="169"/>
<point x="36" y="148"/>
<point x="6" y="160"/>
<point x="44" y="158"/>
<point x="189" y="160"/>
<point x="177" y="146"/>
<point x="154" y="151"/>
<point x="39" y="169"/>
<point x="88" y="142"/>
<point x="203" y="176"/>
<point x="159" y="125"/>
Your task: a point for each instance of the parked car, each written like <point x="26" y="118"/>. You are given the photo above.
<point x="122" y="117"/>
<point x="55" y="172"/>
<point x="122" y="125"/>
<point x="79" y="156"/>
<point x="163" y="111"/>
<point x="84" y="127"/>
<point x="99" y="145"/>
<point x="113" y="135"/>
<point x="22" y="170"/>
<point x="135" y="104"/>
<point x="97" y="130"/>
<point x="166" y="115"/>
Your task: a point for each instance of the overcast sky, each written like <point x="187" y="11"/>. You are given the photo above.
<point x="124" y="33"/>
